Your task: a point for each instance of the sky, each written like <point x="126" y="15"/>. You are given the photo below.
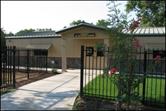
<point x="18" y="15"/>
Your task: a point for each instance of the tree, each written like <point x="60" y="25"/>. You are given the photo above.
<point x="123" y="53"/>
<point x="9" y="34"/>
<point x="77" y="22"/>
<point x="152" y="12"/>
<point x="3" y="42"/>
<point x="25" y="32"/>
<point x="117" y="19"/>
<point x="103" y="23"/>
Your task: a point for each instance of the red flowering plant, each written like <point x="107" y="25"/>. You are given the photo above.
<point x="113" y="71"/>
<point x="123" y="50"/>
<point x="157" y="59"/>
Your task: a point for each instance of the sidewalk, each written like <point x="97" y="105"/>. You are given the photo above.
<point x="54" y="93"/>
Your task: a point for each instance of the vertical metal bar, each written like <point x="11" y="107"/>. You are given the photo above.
<point x="46" y="61"/>
<point x="85" y="58"/>
<point x="18" y="64"/>
<point x="107" y="68"/>
<point x="144" y="80"/>
<point x="27" y="64"/>
<point x="103" y="74"/>
<point x="1" y="68"/>
<point x="10" y="65"/>
<point x="89" y="73"/>
<point x="92" y="73"/>
<point x="139" y="72"/>
<point x="155" y="80"/>
<point x="82" y="69"/>
<point x="14" y="71"/>
<point x="100" y="78"/>
<point x="151" y="77"/>
<point x="96" y="83"/>
<point x="8" y="60"/>
<point x="165" y="84"/>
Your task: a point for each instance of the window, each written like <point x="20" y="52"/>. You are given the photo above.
<point x="159" y="52"/>
<point x="77" y="34"/>
<point x="100" y="51"/>
<point x="91" y="34"/>
<point x="40" y="52"/>
<point x="89" y="51"/>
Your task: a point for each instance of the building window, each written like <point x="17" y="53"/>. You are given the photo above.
<point x="161" y="53"/>
<point x="77" y="34"/>
<point x="91" y="35"/>
<point x="100" y="51"/>
<point x="40" y="52"/>
<point x="89" y="51"/>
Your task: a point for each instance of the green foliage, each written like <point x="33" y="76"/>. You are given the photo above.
<point x="105" y="71"/>
<point x="152" y="12"/>
<point x="3" y="41"/>
<point x="77" y="22"/>
<point x="105" y="86"/>
<point x="9" y="34"/>
<point x="117" y="19"/>
<point x="25" y="32"/>
<point x="103" y="23"/>
<point x="30" y="31"/>
<point x="122" y="52"/>
<point x="123" y="84"/>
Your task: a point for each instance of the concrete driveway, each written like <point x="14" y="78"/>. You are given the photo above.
<point x="54" y="93"/>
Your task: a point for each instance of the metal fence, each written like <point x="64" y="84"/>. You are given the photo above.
<point x="7" y="76"/>
<point x="96" y="81"/>
<point x="32" y="60"/>
<point x="18" y="65"/>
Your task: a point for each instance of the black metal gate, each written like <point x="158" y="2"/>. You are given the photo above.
<point x="7" y="76"/>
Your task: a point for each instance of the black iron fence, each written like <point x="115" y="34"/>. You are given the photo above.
<point x="18" y="65"/>
<point x="35" y="60"/>
<point x="7" y="76"/>
<point x="96" y="80"/>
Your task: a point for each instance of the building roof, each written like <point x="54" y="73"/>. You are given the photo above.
<point x="147" y="31"/>
<point x="80" y="25"/>
<point x="139" y="32"/>
<point x="37" y="34"/>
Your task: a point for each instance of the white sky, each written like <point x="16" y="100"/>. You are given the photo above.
<point x="18" y="15"/>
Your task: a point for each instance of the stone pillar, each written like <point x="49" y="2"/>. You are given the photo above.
<point x="63" y="49"/>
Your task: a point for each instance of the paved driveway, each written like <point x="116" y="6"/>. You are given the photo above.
<point x="53" y="93"/>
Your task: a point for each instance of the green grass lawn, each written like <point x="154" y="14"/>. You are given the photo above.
<point x="104" y="86"/>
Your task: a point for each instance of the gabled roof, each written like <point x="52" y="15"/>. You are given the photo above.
<point x="80" y="25"/>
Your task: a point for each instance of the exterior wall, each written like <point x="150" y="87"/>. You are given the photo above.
<point x="152" y="42"/>
<point x="53" y="51"/>
<point x="72" y="45"/>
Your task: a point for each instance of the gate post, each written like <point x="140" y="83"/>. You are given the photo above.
<point x="82" y="70"/>
<point x="14" y="71"/>
<point x="144" y="79"/>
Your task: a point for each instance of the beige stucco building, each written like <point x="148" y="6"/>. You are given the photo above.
<point x="65" y="44"/>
